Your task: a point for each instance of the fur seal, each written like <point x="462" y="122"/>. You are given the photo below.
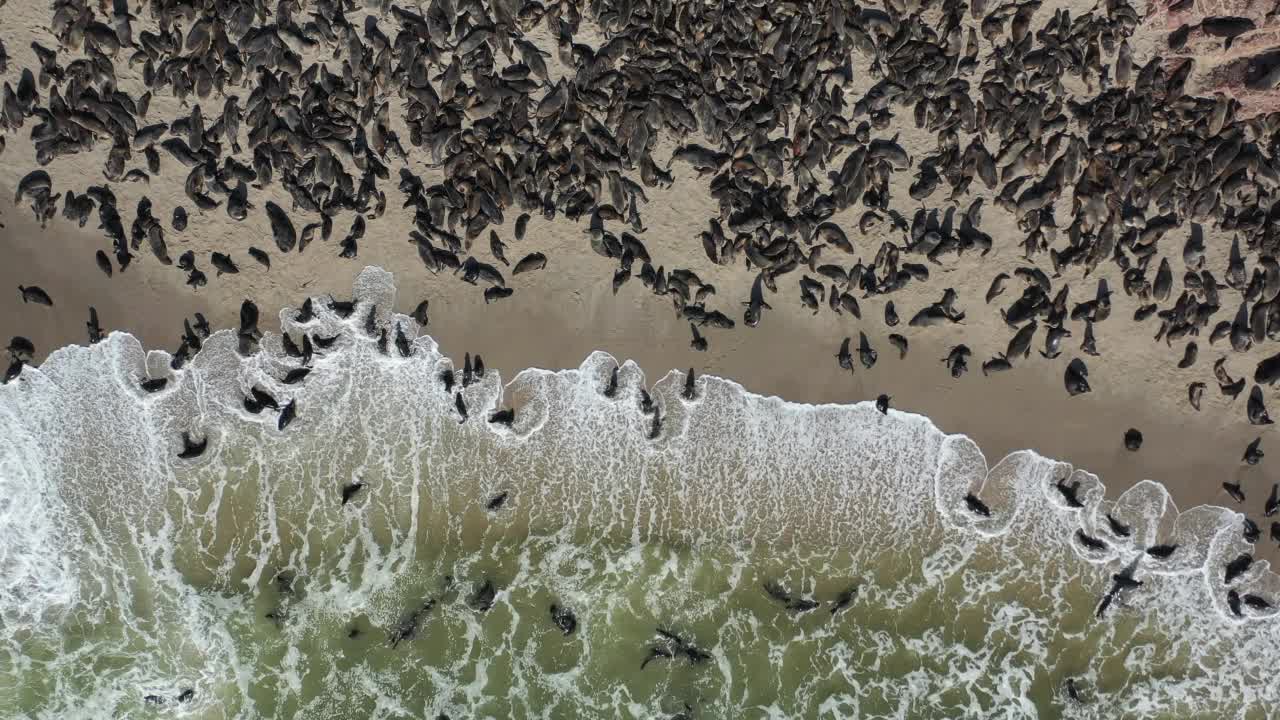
<point x="190" y="448"/>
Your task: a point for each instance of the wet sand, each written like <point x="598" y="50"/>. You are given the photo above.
<point x="559" y="315"/>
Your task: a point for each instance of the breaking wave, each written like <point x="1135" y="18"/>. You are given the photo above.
<point x="238" y="584"/>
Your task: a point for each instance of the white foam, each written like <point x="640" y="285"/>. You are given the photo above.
<point x="98" y="518"/>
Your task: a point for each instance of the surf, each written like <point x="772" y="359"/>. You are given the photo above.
<point x="131" y="576"/>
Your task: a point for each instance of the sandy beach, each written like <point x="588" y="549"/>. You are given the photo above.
<point x="559" y="315"/>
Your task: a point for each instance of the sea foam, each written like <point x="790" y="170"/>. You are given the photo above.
<point x="127" y="571"/>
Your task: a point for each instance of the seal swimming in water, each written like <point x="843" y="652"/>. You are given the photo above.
<point x="655" y="428"/>
<point x="287" y="415"/>
<point x="564" y="619"/>
<point x="483" y="598"/>
<point x="1237" y="567"/>
<point x="496" y="502"/>
<point x="844" y="599"/>
<point x="461" y="406"/>
<point x="976" y="506"/>
<point x="190" y="448"/>
<point x="1068" y="492"/>
<point x="1118" y="528"/>
<point x="1089" y="541"/>
<point x="349" y="490"/>
<point x="296" y="375"/>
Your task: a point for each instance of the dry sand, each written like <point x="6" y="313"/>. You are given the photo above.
<point x="559" y="315"/>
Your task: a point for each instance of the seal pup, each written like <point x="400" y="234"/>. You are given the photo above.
<point x="104" y="263"/>
<point x="528" y="263"/>
<point x="1133" y="439"/>
<point x="755" y="307"/>
<point x="844" y="357"/>
<point x="655" y="427"/>
<point x="1068" y="492"/>
<point x="699" y="342"/>
<point x="1256" y="408"/>
<point x="190" y="448"/>
<point x="1076" y="378"/>
<point x="1253" y="453"/>
<point x="844" y="599"/>
<point x="1195" y="391"/>
<point x="264" y="398"/>
<point x="224" y="264"/>
<point x="564" y="619"/>
<point x="495" y="293"/>
<point x="287" y="415"/>
<point x="1119" y="582"/>
<point x="1251" y="531"/>
<point x="21" y="348"/>
<point x="1234" y="490"/>
<point x="899" y="342"/>
<point x="1118" y="528"/>
<point x="482" y="599"/>
<point x="976" y="506"/>
<point x="1237" y="567"/>
<point x="776" y="591"/>
<point x="261" y="256"/>
<point x="1089" y="541"/>
<point x="676" y="646"/>
<point x="866" y="354"/>
<point x="349" y="490"/>
<point x="957" y="360"/>
<point x="402" y="342"/>
<point x="296" y="375"/>
<point x="419" y="313"/>
<point x="496" y="502"/>
<point x="34" y="294"/>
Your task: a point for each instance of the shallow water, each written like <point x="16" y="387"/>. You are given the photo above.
<point x="127" y="572"/>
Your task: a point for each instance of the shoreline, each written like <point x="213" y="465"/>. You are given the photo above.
<point x="1090" y="440"/>
<point x="560" y="314"/>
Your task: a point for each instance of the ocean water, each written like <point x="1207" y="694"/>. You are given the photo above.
<point x="135" y="584"/>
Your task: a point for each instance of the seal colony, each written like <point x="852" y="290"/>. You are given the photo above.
<point x="1106" y="166"/>
<point x="755" y="100"/>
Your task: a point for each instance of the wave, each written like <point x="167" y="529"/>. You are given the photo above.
<point x="129" y="573"/>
